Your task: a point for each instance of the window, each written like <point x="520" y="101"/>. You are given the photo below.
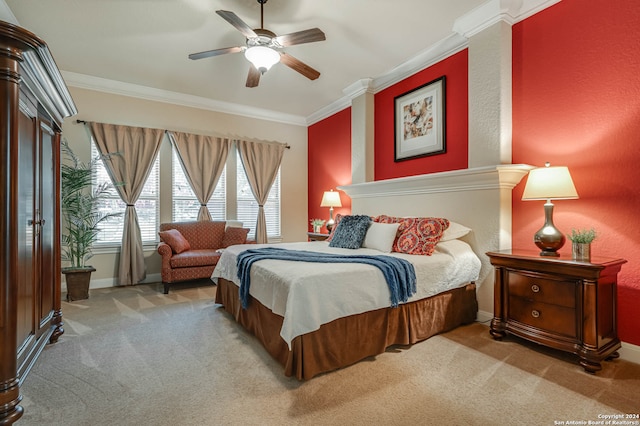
<point x="147" y="206"/>
<point x="185" y="203"/>
<point x="248" y="206"/>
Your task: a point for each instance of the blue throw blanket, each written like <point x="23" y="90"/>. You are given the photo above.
<point x="399" y="273"/>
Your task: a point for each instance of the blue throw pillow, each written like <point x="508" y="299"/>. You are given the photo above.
<point x="350" y="232"/>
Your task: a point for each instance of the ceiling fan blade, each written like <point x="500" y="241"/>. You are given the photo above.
<point x="297" y="65"/>
<point x="216" y="52"/>
<point x="240" y="25"/>
<point x="253" y="79"/>
<point x="306" y="36"/>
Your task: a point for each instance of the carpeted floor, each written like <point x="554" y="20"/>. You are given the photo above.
<point x="134" y="356"/>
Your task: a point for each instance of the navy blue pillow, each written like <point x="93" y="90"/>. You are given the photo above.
<point x="350" y="232"/>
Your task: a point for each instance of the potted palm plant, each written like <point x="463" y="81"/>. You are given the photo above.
<point x="81" y="219"/>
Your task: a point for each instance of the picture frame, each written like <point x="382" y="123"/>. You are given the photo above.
<point x="419" y="119"/>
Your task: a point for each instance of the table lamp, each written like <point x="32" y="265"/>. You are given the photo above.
<point x="330" y="199"/>
<point x="549" y="183"/>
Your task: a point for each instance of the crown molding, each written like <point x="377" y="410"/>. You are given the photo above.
<point x="446" y="47"/>
<point x="329" y="110"/>
<point x="428" y="57"/>
<point x="358" y="88"/>
<point x="493" y="11"/>
<point x="99" y="84"/>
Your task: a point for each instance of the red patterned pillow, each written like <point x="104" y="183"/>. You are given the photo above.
<point x="416" y="235"/>
<point x="337" y="220"/>
<point x="233" y="236"/>
<point x="175" y="239"/>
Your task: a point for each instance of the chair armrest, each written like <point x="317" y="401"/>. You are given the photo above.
<point x="166" y="253"/>
<point x="165" y="250"/>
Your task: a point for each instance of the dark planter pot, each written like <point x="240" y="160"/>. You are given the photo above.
<point x="78" y="282"/>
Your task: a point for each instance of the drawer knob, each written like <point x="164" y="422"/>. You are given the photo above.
<point x="535" y="313"/>
<point x="535" y="288"/>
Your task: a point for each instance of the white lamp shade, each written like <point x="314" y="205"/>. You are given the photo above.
<point x="330" y="199"/>
<point x="262" y="57"/>
<point x="549" y="183"/>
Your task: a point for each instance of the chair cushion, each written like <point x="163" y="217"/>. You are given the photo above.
<point x="195" y="258"/>
<point x="175" y="240"/>
<point x="233" y="236"/>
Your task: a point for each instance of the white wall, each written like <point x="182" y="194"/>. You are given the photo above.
<point x="117" y="109"/>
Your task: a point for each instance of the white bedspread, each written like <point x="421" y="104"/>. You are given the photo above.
<point x="308" y="295"/>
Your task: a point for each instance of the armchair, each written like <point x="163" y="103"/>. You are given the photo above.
<point x="189" y="250"/>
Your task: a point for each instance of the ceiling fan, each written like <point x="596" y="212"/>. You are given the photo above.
<point x="263" y="47"/>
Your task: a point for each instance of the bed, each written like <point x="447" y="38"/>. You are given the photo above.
<point x="316" y="317"/>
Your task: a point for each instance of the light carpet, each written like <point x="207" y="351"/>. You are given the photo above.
<point x="134" y="356"/>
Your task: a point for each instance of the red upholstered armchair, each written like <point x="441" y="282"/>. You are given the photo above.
<point x="189" y="250"/>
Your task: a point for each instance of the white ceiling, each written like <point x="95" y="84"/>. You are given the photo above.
<point x="144" y="44"/>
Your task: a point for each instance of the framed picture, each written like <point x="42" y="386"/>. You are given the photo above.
<point x="420" y="121"/>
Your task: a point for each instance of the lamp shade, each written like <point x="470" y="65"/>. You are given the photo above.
<point x="330" y="199"/>
<point x="549" y="183"/>
<point x="262" y="57"/>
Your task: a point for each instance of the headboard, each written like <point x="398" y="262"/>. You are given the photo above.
<point x="479" y="198"/>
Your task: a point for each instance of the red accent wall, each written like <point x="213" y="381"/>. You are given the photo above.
<point x="329" y="161"/>
<point x="576" y="102"/>
<point x="455" y="68"/>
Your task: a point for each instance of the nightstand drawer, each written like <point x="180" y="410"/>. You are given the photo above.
<point x="540" y="289"/>
<point x="544" y="316"/>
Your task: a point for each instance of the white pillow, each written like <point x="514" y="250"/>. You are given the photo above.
<point x="454" y="231"/>
<point x="380" y="236"/>
<point x="233" y="224"/>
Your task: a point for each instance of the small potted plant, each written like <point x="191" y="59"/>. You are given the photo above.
<point x="81" y="219"/>
<point x="317" y="224"/>
<point x="581" y="240"/>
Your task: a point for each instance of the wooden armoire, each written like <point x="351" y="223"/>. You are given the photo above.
<point x="33" y="103"/>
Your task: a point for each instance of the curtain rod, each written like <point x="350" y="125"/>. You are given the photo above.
<point x="85" y="122"/>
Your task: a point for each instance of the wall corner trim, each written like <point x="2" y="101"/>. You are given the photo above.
<point x="358" y="88"/>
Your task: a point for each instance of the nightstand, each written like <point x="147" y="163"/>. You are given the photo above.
<point x="315" y="236"/>
<point x="558" y="302"/>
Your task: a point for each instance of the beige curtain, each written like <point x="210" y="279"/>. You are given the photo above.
<point x="203" y="159"/>
<point x="137" y="149"/>
<point x="261" y="162"/>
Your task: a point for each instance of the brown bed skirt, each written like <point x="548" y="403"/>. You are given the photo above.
<point x="348" y="340"/>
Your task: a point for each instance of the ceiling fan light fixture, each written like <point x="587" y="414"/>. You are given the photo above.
<point x="262" y="57"/>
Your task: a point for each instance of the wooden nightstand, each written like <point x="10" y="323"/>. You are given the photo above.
<point x="315" y="236"/>
<point x="558" y="302"/>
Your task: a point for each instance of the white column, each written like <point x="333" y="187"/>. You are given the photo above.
<point x="490" y="56"/>
<point x="362" y="131"/>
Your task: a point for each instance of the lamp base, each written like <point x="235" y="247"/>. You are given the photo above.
<point x="549" y="239"/>
<point x="330" y="224"/>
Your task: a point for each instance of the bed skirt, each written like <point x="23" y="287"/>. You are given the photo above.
<point x="348" y="340"/>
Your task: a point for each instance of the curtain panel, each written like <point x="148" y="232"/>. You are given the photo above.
<point x="202" y="158"/>
<point x="261" y="161"/>
<point x="137" y="149"/>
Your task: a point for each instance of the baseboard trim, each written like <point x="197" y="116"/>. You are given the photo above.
<point x="113" y="282"/>
<point x="484" y="317"/>
<point x="628" y="352"/>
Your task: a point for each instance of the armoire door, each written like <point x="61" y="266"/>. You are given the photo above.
<point x="25" y="238"/>
<point x="36" y="237"/>
<point x="46" y="216"/>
